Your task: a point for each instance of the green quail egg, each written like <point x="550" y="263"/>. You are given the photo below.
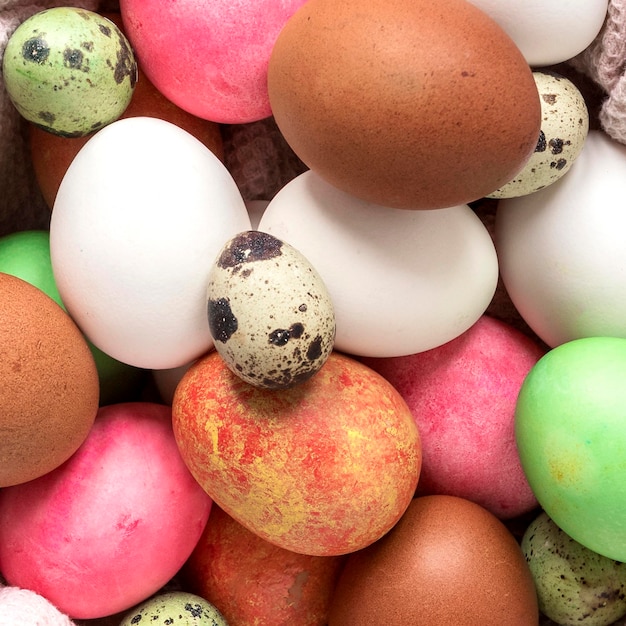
<point x="574" y="585"/>
<point x="69" y="71"/>
<point x="176" y="608"/>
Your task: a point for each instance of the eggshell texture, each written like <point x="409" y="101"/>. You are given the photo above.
<point x="176" y="608"/>
<point x="463" y="396"/>
<point x="447" y="561"/>
<point x="323" y="468"/>
<point x="561" y="250"/>
<point x="548" y="33"/>
<point x="49" y="391"/>
<point x="564" y="128"/>
<point x="569" y="428"/>
<point x="220" y="47"/>
<point x="439" y="108"/>
<point x="111" y="526"/>
<point x="400" y="281"/>
<point x="69" y="70"/>
<point x="252" y="581"/>
<point x="574" y="585"/>
<point x="270" y="315"/>
<point x="138" y="220"/>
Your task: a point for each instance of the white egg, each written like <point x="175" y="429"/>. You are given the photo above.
<point x="564" y="128"/>
<point x="270" y="314"/>
<point x="400" y="281"/>
<point x="548" y="33"/>
<point x="138" y="220"/>
<point x="561" y="249"/>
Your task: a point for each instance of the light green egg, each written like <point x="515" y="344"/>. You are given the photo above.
<point x="69" y="71"/>
<point x="176" y="608"/>
<point x="574" y="585"/>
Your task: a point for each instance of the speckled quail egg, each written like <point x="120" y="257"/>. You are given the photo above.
<point x="564" y="128"/>
<point x="574" y="585"/>
<point x="176" y="608"/>
<point x="69" y="71"/>
<point x="270" y="315"/>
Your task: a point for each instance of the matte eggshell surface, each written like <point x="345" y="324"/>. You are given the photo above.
<point x="447" y="561"/>
<point x="412" y="104"/>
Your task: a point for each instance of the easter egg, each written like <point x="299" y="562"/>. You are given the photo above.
<point x="447" y="561"/>
<point x="462" y="395"/>
<point x="221" y="48"/>
<point x="49" y="392"/>
<point x="400" y="281"/>
<point x="322" y="468"/>
<point x="26" y="254"/>
<point x="574" y="585"/>
<point x="270" y="315"/>
<point x="52" y="154"/>
<point x="113" y="524"/>
<point x="562" y="258"/>
<point x="439" y="108"/>
<point x="132" y="263"/>
<point x="68" y="70"/>
<point x="252" y="581"/>
<point x="548" y="33"/>
<point x="569" y="428"/>
<point x="176" y="608"/>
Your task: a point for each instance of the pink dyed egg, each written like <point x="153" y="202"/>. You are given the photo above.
<point x="209" y="57"/>
<point x="113" y="524"/>
<point x="462" y="395"/>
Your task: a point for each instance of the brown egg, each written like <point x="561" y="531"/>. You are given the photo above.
<point x="447" y="562"/>
<point x="406" y="103"/>
<point x="48" y="383"/>
<point x="52" y="154"/>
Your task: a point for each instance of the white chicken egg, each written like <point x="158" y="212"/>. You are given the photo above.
<point x="270" y="314"/>
<point x="547" y="33"/>
<point x="400" y="281"/>
<point x="561" y="249"/>
<point x="138" y="220"/>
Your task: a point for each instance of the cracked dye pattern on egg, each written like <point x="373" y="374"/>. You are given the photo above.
<point x="69" y="71"/>
<point x="270" y="314"/>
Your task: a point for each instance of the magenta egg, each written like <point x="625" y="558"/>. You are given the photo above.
<point x="113" y="524"/>
<point x="209" y="57"/>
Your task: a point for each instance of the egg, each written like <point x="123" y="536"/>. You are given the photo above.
<point x="447" y="561"/>
<point x="138" y="220"/>
<point x="564" y="128"/>
<point x="49" y="392"/>
<point x="400" y="281"/>
<point x="574" y="585"/>
<point x="176" y="608"/>
<point x="270" y="315"/>
<point x="410" y="104"/>
<point x="68" y="70"/>
<point x="561" y="250"/>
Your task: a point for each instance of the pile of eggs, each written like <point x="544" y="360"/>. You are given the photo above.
<point x="297" y="408"/>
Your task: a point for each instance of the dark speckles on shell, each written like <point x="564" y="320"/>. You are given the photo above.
<point x="73" y="59"/>
<point x="248" y="247"/>
<point x="222" y="322"/>
<point x="125" y="64"/>
<point x="35" y="50"/>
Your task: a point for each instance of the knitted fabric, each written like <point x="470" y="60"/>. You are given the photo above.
<point x="21" y="607"/>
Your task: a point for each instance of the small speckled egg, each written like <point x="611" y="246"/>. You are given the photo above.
<point x="564" y="128"/>
<point x="574" y="585"/>
<point x="177" y="608"/>
<point x="69" y="71"/>
<point x="270" y="315"/>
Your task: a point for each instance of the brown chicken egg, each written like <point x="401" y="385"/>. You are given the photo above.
<point x="49" y="385"/>
<point x="411" y="104"/>
<point x="447" y="562"/>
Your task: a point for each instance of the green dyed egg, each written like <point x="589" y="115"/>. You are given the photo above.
<point x="69" y="71"/>
<point x="26" y="254"/>
<point x="574" y="585"/>
<point x="176" y="608"/>
<point x="570" y="428"/>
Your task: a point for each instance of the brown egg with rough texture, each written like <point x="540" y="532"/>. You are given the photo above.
<point x="447" y="562"/>
<point x="49" y="383"/>
<point x="411" y="104"/>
